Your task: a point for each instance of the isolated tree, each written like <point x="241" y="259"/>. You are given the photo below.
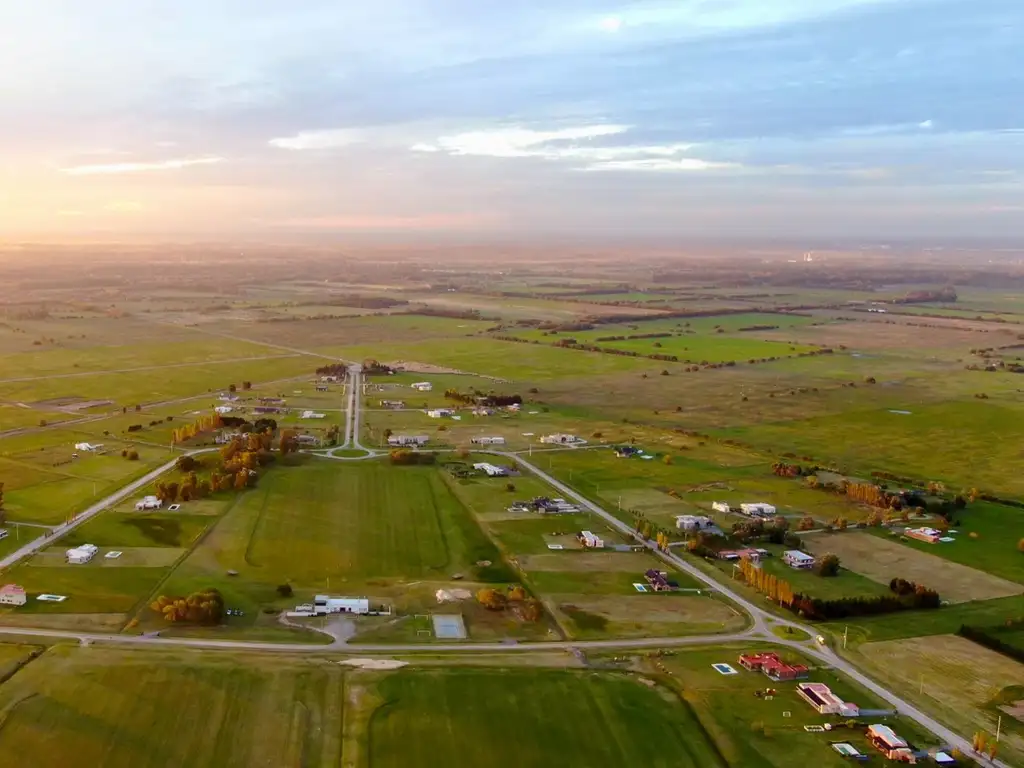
<point x="806" y="523"/>
<point x="232" y="388"/>
<point x="531" y="610"/>
<point x="667" y="459"/>
<point x="241" y="480"/>
<point x="287" y="442"/>
<point x="840" y="523"/>
<point x="491" y="599"/>
<point x="827" y="565"/>
<point x="875" y="519"/>
<point x="1020" y="545"/>
<point x="284" y="590"/>
<point x="510" y="487"/>
<point x="516" y="594"/>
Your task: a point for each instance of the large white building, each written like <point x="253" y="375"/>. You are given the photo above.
<point x="440" y="413"/>
<point x="87" y="447"/>
<point x="12" y="594"/>
<point x="83" y="554"/>
<point x="758" y="509"/>
<point x="490" y="470"/>
<point x="794" y="558"/>
<point x="693" y="522"/>
<point x="720" y="506"/>
<point x="148" y="502"/>
<point x="324" y="604"/>
<point x="488" y="441"/>
<point x="563" y="439"/>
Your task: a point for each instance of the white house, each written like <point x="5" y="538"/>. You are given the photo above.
<point x="440" y="413"/>
<point x="590" y="540"/>
<point x="720" y="506"/>
<point x="324" y="604"/>
<point x="222" y="409"/>
<point x="794" y="558"/>
<point x="408" y="440"/>
<point x="480" y="411"/>
<point x="488" y="441"/>
<point x="87" y="447"/>
<point x="563" y="439"/>
<point x="422" y="386"/>
<point x="83" y="554"/>
<point x="758" y="509"/>
<point x="313" y="415"/>
<point x="490" y="470"/>
<point x="148" y="502"/>
<point x="228" y="397"/>
<point x="12" y="594"/>
<point x="693" y="522"/>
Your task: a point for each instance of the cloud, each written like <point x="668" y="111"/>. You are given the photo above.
<point x="682" y="164"/>
<point x="329" y="139"/>
<point x="517" y="141"/>
<point x="163" y="165"/>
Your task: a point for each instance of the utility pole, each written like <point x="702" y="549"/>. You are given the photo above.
<point x="846" y="633"/>
<point x="999" y="727"/>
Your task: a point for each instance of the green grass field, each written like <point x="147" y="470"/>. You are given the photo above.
<point x="457" y="717"/>
<point x="116" y="708"/>
<point x="356" y="527"/>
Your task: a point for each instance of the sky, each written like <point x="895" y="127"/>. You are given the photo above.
<point x="191" y="119"/>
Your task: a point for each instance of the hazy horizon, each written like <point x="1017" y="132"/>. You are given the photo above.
<point x="860" y="121"/>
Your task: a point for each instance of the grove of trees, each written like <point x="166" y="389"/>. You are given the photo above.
<point x="204" y="607"/>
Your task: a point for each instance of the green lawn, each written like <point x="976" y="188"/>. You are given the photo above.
<point x="969" y="443"/>
<point x="999" y="528"/>
<point x="151" y="710"/>
<point x="138" y="529"/>
<point x="352" y="527"/>
<point x="464" y="718"/>
<point x="89" y="588"/>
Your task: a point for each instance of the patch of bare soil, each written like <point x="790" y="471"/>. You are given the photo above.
<point x="374" y="664"/>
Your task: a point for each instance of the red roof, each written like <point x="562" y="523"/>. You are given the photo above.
<point x="12" y="589"/>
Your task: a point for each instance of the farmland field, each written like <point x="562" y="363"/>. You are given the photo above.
<point x="964" y="684"/>
<point x="455" y="718"/>
<point x="883" y="560"/>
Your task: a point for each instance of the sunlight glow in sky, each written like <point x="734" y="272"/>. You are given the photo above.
<point x="652" y="118"/>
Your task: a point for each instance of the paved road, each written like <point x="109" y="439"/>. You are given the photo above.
<point x="762" y="618"/>
<point x="43" y="541"/>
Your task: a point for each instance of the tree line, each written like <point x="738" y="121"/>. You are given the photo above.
<point x="988" y="638"/>
<point x="489" y="399"/>
<point x="203" y="607"/>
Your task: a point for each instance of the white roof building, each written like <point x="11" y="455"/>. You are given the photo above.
<point x="12" y="594"/>
<point x="590" y="540"/>
<point x="422" y="386"/>
<point x="758" y="509"/>
<point x="222" y="409"/>
<point x="488" y="440"/>
<point x="563" y="439"/>
<point x="438" y="413"/>
<point x="82" y="554"/>
<point x="324" y="604"/>
<point x="794" y="558"/>
<point x="693" y="522"/>
<point x="720" y="506"/>
<point x="490" y="470"/>
<point x="313" y="415"/>
<point x="149" y="502"/>
<point x="87" y="447"/>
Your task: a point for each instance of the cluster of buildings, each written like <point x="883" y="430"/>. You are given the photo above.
<point x="659" y="581"/>
<point x="82" y="554"/>
<point x="590" y="540"/>
<point x="825" y="702"/>
<point x="313" y="415"/>
<point x="440" y="413"/>
<point x="544" y="506"/>
<point x="324" y="605"/>
<point x="422" y="386"/>
<point x="754" y="554"/>
<point x="757" y="510"/>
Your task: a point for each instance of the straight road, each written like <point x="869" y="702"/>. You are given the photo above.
<point x="43" y="541"/>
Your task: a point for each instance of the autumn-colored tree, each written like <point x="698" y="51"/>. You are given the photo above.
<point x="973" y="495"/>
<point x="531" y="610"/>
<point x="204" y="607"/>
<point x="993" y="750"/>
<point x="806" y="523"/>
<point x="133" y="455"/>
<point x="827" y="565"/>
<point x="875" y="519"/>
<point x="1020" y="545"/>
<point x="517" y="594"/>
<point x="491" y="599"/>
<point x="667" y="459"/>
<point x="812" y="481"/>
<point x="462" y="453"/>
<point x="840" y="523"/>
<point x="287" y="442"/>
<point x="241" y="480"/>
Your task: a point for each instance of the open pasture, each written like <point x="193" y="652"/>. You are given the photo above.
<point x="106" y="707"/>
<point x="362" y="527"/>
<point x="884" y="559"/>
<point x="967" y="443"/>
<point x="962" y="683"/>
<point x="454" y="717"/>
<point x="90" y="588"/>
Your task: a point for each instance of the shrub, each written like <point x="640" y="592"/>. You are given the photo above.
<point x="284" y="590"/>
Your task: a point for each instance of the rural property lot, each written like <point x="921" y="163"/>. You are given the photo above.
<point x="576" y="720"/>
<point x="883" y="560"/>
<point x="963" y="683"/>
<point x="124" y="709"/>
